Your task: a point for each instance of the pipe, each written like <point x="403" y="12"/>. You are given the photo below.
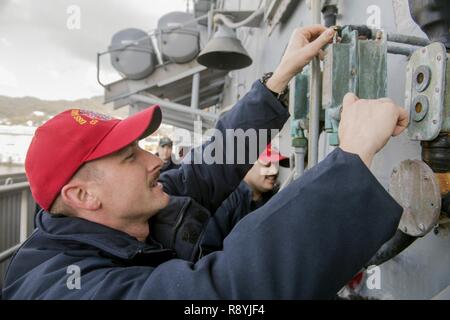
<point x="230" y="24"/>
<point x="401" y="38"/>
<point x="210" y="20"/>
<point x="288" y="180"/>
<point x="329" y="15"/>
<point x="14" y="187"/>
<point x="399" y="242"/>
<point x="173" y="106"/>
<point x="369" y="33"/>
<point x="315" y="96"/>
<point x="8" y="253"/>
<point x="195" y="93"/>
<point x="405" y="51"/>
<point x="299" y="156"/>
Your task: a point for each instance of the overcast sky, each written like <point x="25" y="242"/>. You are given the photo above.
<point x="43" y="53"/>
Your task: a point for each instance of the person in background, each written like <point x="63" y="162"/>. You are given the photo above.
<point x="165" y="154"/>
<point x="255" y="190"/>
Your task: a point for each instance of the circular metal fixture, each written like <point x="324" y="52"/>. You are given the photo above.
<point x="419" y="108"/>
<point x="415" y="187"/>
<point x="422" y="77"/>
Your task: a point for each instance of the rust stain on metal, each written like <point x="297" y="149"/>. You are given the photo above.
<point x="444" y="182"/>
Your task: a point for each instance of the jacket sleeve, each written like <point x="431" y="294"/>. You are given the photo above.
<point x="210" y="182"/>
<point x="223" y="220"/>
<point x="307" y="242"/>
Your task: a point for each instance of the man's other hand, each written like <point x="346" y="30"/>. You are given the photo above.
<point x="367" y="125"/>
<point x="305" y="44"/>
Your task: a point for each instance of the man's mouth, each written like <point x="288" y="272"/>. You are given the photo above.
<point x="154" y="184"/>
<point x="154" y="181"/>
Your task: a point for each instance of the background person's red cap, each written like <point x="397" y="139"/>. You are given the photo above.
<point x="71" y="138"/>
<point x="270" y="154"/>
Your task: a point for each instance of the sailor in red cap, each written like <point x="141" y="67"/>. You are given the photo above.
<point x="258" y="186"/>
<point x="112" y="227"/>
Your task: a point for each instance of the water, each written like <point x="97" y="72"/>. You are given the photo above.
<point x="11" y="169"/>
<point x="14" y="142"/>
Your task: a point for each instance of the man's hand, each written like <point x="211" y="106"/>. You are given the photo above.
<point x="367" y="125"/>
<point x="305" y="44"/>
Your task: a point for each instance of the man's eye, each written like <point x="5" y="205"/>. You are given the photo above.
<point x="130" y="157"/>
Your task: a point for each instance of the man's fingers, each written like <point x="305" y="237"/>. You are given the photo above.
<point x="349" y="98"/>
<point x="312" y="32"/>
<point x="402" y="122"/>
<point x="314" y="46"/>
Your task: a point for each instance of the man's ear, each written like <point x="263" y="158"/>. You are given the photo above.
<point x="77" y="195"/>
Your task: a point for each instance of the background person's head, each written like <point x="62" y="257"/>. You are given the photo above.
<point x="262" y="177"/>
<point x="88" y="165"/>
<point x="165" y="149"/>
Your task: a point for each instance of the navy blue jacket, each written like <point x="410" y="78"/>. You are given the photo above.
<point x="306" y="242"/>
<point x="233" y="209"/>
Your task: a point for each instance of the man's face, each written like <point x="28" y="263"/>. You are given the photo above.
<point x="128" y="184"/>
<point x="165" y="152"/>
<point x="262" y="176"/>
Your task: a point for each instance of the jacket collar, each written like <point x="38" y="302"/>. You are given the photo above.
<point x="111" y="241"/>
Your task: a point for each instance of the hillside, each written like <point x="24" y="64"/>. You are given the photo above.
<point x="32" y="111"/>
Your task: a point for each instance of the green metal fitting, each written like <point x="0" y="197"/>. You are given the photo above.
<point x="352" y="65"/>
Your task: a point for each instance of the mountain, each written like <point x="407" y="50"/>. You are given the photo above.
<point x="33" y="112"/>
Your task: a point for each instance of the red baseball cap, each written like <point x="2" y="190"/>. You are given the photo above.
<point x="71" y="138"/>
<point x="270" y="154"/>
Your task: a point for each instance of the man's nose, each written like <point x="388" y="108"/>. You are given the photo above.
<point x="152" y="162"/>
<point x="272" y="170"/>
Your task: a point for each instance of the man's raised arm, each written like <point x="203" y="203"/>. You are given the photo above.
<point x="260" y="111"/>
